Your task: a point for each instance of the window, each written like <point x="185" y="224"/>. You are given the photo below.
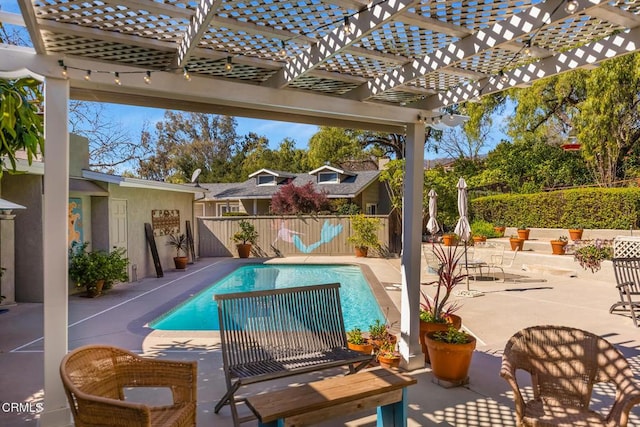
<point x="266" y="180"/>
<point x="372" y="209"/>
<point x="223" y="208"/>
<point x="328" y="178"/>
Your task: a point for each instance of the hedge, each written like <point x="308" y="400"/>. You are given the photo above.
<point x="604" y="208"/>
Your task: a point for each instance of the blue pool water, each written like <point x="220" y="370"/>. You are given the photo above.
<point x="200" y="312"/>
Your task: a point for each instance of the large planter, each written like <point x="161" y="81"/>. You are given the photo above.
<point x="450" y="362"/>
<point x="426" y="327"/>
<point x="449" y="240"/>
<point x="558" y="246"/>
<point x="366" y="348"/>
<point x="575" y="233"/>
<point x="95" y="290"/>
<point x="244" y="250"/>
<point x="361" y="251"/>
<point x="180" y="262"/>
<point x="524" y="233"/>
<point x="389" y="362"/>
<point x="516" y="244"/>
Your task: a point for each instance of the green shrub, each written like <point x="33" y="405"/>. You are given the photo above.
<point x="483" y="228"/>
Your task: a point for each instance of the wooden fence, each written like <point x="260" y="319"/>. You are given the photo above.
<point x="292" y="235"/>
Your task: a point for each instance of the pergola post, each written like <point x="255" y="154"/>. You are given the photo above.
<point x="55" y="222"/>
<point x="411" y="241"/>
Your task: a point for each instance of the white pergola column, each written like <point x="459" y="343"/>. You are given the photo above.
<point x="411" y="247"/>
<point x="55" y="221"/>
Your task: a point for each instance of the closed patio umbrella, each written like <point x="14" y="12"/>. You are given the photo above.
<point x="432" y="224"/>
<point x="463" y="229"/>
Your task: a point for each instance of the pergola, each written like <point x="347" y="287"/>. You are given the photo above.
<point x="388" y="65"/>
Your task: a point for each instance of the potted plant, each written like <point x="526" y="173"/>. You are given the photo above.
<point x="244" y="238"/>
<point x="499" y="228"/>
<point x="450" y="352"/>
<point x="179" y="243"/>
<point x="365" y="234"/>
<point x="481" y="230"/>
<point x="558" y="245"/>
<point x="523" y="232"/>
<point x="575" y="232"/>
<point x="516" y="242"/>
<point x="379" y="334"/>
<point x="449" y="239"/>
<point x="388" y="356"/>
<point x="590" y="256"/>
<point x="356" y="341"/>
<point x="94" y="269"/>
<point x="437" y="313"/>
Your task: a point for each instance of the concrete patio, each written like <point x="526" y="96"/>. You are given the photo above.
<point x="525" y="298"/>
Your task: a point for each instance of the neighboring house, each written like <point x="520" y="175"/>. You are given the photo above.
<point x="106" y="210"/>
<point x="253" y="196"/>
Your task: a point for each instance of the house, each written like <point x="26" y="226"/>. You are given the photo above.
<point x="253" y="196"/>
<point x="105" y="210"/>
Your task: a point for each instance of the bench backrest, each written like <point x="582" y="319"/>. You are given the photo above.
<point x="280" y="324"/>
<point x="627" y="270"/>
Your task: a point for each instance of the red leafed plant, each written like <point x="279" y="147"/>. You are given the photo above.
<point x="293" y="200"/>
<point x="449" y="276"/>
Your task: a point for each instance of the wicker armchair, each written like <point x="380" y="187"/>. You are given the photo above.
<point x="96" y="376"/>
<point x="564" y="364"/>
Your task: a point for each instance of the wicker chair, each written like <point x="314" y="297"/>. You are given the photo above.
<point x="564" y="364"/>
<point x="95" y="377"/>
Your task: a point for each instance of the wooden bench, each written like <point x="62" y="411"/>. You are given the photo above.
<point x="282" y="332"/>
<point x="338" y="396"/>
<point x="627" y="272"/>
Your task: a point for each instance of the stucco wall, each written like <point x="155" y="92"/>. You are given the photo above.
<point x="140" y="204"/>
<point x="26" y="190"/>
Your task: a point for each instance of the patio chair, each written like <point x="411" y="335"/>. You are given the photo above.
<point x="627" y="272"/>
<point x="565" y="364"/>
<point x="95" y="378"/>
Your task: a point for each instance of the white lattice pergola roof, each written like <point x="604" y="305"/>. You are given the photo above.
<point x="419" y="55"/>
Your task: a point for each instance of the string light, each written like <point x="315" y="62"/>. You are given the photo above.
<point x="283" y="49"/>
<point x="87" y="76"/>
<point x="116" y="79"/>
<point x="346" y="28"/>
<point x="571" y="6"/>
<point x="185" y="74"/>
<point x="502" y="77"/>
<point x="229" y="65"/>
<point x="527" y="47"/>
<point x="147" y="77"/>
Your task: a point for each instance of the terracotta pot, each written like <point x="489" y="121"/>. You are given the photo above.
<point x="244" y="250"/>
<point x="389" y="362"/>
<point x="180" y="262"/>
<point x="516" y="244"/>
<point x="575" y="233"/>
<point x="449" y="240"/>
<point x="96" y="290"/>
<point x="524" y="234"/>
<point x="450" y="362"/>
<point x="425" y="327"/>
<point x="366" y="348"/>
<point x="557" y="247"/>
<point x="500" y="230"/>
<point x="378" y="343"/>
<point x="479" y="239"/>
<point x="361" y="251"/>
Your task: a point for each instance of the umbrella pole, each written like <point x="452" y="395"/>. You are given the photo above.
<point x="466" y="263"/>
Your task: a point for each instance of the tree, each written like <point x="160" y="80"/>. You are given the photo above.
<point x="111" y="147"/>
<point x="188" y="141"/>
<point x="21" y="125"/>
<point x="294" y="200"/>
<point x="333" y="145"/>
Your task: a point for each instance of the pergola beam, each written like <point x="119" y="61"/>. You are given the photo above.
<point x="483" y="40"/>
<point x="30" y="20"/>
<point x="336" y="41"/>
<point x="197" y="27"/>
<point x="585" y="56"/>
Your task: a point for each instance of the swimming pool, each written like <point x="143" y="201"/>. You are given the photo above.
<point x="200" y="312"/>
